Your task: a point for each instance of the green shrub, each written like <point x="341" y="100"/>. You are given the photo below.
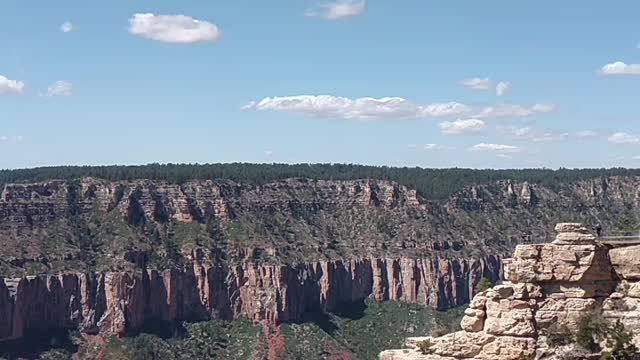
<point x="592" y="329"/>
<point x="55" y="354"/>
<point x="619" y="341"/>
<point x="484" y="284"/>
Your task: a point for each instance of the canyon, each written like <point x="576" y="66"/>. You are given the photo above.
<point x="109" y="257"/>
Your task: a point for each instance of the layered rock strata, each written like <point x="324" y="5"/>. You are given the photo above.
<point x="116" y="303"/>
<point x="547" y="288"/>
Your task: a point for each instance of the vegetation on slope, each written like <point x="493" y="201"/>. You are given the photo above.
<point x="358" y="333"/>
<point x="430" y="183"/>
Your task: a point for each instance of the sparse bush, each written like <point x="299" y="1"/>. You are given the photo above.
<point x="424" y="347"/>
<point x="620" y="342"/>
<point x="55" y="354"/>
<point x="592" y="329"/>
<point x="484" y="284"/>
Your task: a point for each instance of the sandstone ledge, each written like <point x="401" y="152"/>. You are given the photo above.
<point x="546" y="285"/>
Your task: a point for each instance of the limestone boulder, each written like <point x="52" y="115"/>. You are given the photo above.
<point x="508" y="317"/>
<point x="509" y="348"/>
<point x="473" y="320"/>
<point x="559" y="263"/>
<point x="626" y="262"/>
<point x="461" y="344"/>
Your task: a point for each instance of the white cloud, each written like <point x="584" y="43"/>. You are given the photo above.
<point x="67" y="27"/>
<point x="8" y="86"/>
<point x="462" y="126"/>
<point x="477" y="83"/>
<point x="444" y="109"/>
<point x="366" y="108"/>
<point x="550" y="136"/>
<point x="585" y="134"/>
<point x="503" y="88"/>
<point x="637" y="157"/>
<point x="495" y="148"/>
<point x="10" y="139"/>
<point x="504" y="156"/>
<point x="530" y="134"/>
<point x="59" y="88"/>
<point x="624" y="138"/>
<point x="338" y="9"/>
<point x="179" y="29"/>
<point x="620" y="68"/>
<point x="513" y="110"/>
<point x="429" y="147"/>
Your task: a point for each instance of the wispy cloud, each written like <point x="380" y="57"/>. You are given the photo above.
<point x="477" y="83"/>
<point x="624" y="138"/>
<point x="59" y="88"/>
<point x="528" y="133"/>
<point x="513" y="110"/>
<point x="458" y="127"/>
<point x="585" y="134"/>
<point x="178" y="29"/>
<point x="503" y="88"/>
<point x="620" y="68"/>
<point x="67" y="27"/>
<point x="366" y="108"/>
<point x="8" y="86"/>
<point x="429" y="147"/>
<point x="339" y="9"/>
<point x="500" y="148"/>
<point x="9" y="140"/>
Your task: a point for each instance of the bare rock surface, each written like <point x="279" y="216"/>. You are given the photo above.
<point x="548" y="285"/>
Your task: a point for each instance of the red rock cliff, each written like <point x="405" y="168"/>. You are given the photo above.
<point x="116" y="303"/>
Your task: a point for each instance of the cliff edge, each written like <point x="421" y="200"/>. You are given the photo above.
<point x="547" y="286"/>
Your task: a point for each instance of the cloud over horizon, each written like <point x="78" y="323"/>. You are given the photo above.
<point x="8" y="86"/>
<point x="514" y="110"/>
<point x="500" y="148"/>
<point x="624" y="138"/>
<point x="366" y="108"/>
<point x="620" y="68"/>
<point x="10" y="140"/>
<point x="503" y="88"/>
<point x="477" y="83"/>
<point x="338" y="9"/>
<point x="59" y="88"/>
<point x="67" y="27"/>
<point x="458" y="127"/>
<point x="176" y="29"/>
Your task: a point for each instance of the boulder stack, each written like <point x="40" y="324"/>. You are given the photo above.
<point x="548" y="287"/>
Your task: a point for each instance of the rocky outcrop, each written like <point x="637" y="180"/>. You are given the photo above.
<point x="119" y="303"/>
<point x="547" y="288"/>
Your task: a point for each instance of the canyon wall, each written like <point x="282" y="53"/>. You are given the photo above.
<point x="117" y="303"/>
<point x="115" y="256"/>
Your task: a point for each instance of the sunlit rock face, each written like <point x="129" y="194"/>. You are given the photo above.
<point x="116" y="303"/>
<point x="547" y="285"/>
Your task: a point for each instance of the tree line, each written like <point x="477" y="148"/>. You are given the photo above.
<point x="430" y="183"/>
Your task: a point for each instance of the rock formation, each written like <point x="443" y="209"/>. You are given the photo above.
<point x="112" y="256"/>
<point x="116" y="303"/>
<point x="546" y="286"/>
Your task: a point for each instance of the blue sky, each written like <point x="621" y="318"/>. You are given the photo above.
<point x="411" y="82"/>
